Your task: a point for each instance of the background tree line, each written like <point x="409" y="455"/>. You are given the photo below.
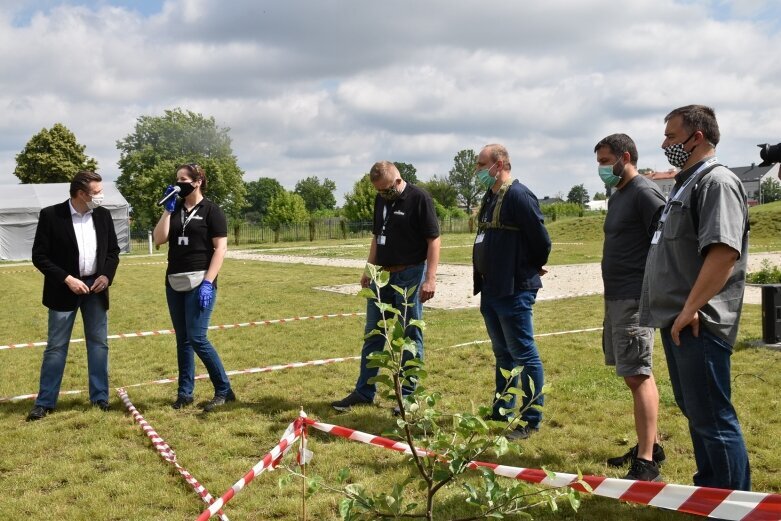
<point x="149" y="155"/>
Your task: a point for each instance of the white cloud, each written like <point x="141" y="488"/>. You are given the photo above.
<point x="325" y="88"/>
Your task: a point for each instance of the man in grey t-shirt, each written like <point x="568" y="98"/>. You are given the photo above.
<point x="633" y="211"/>
<point x="693" y="292"/>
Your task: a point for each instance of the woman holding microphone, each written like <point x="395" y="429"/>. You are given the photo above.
<point x="197" y="234"/>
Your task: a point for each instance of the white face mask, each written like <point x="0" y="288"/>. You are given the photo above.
<point x="97" y="200"/>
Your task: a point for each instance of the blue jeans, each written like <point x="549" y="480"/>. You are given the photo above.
<point x="700" y="377"/>
<point x="412" y="276"/>
<point x="508" y="320"/>
<point x="95" y="320"/>
<point x="191" y="324"/>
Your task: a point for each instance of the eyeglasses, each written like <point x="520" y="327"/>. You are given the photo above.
<point x="391" y="188"/>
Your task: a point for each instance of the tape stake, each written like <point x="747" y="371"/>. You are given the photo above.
<point x="270" y="460"/>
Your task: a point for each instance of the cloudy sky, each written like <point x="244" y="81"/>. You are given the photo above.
<point x="323" y="87"/>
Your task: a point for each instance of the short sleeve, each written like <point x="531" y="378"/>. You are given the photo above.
<point x="429" y="223"/>
<point x="649" y="204"/>
<point x="721" y="213"/>
<point x="216" y="223"/>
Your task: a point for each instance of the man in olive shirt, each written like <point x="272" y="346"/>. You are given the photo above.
<point x="633" y="211"/>
<point x="693" y="291"/>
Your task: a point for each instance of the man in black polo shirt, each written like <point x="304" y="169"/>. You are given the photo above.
<point x="406" y="244"/>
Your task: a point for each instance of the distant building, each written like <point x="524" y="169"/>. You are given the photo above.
<point x="663" y="180"/>
<point x="752" y="177"/>
<point x="550" y="200"/>
<point x="600" y="204"/>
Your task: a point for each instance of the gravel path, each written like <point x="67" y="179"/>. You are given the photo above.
<point x="454" y="282"/>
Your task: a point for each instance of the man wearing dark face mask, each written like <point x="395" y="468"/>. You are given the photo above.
<point x="406" y="244"/>
<point x="693" y="291"/>
<point x="633" y="211"/>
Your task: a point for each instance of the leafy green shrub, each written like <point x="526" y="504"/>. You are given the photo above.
<point x="768" y="274"/>
<point x="444" y="443"/>
<point x="555" y="211"/>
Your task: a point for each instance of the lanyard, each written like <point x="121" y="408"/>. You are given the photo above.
<point x="386" y="215"/>
<point x="674" y="198"/>
<point x="185" y="222"/>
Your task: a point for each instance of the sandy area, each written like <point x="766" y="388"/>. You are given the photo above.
<point x="454" y="282"/>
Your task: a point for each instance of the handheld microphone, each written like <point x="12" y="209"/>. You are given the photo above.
<point x="170" y="194"/>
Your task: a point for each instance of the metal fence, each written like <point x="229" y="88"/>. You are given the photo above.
<point x="331" y="229"/>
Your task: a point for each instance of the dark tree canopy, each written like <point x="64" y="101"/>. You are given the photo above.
<point x="158" y="144"/>
<point x="52" y="156"/>
<point x="260" y="193"/>
<point x="317" y="195"/>
<point x="408" y="172"/>
<point x="578" y="195"/>
<point x="442" y="191"/>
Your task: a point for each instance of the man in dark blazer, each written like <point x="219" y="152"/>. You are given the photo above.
<point x="76" y="250"/>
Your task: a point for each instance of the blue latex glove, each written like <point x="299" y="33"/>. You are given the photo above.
<point x="170" y="204"/>
<point x="206" y="294"/>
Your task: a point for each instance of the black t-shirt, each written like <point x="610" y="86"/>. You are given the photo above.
<point x="405" y="224"/>
<point x="629" y="225"/>
<point x="190" y="245"/>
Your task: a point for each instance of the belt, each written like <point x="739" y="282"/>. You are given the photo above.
<point x="397" y="268"/>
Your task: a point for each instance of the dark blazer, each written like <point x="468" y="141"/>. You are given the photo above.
<point x="56" y="254"/>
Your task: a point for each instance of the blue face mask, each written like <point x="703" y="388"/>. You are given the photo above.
<point x="606" y="173"/>
<point x="484" y="177"/>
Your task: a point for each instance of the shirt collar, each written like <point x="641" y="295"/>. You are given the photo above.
<point x="683" y="175"/>
<point x="75" y="212"/>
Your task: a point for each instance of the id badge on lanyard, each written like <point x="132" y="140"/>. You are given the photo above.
<point x="382" y="238"/>
<point x="183" y="240"/>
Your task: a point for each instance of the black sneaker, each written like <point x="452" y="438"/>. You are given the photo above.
<point x="102" y="405"/>
<point x="182" y="401"/>
<point x="521" y="432"/>
<point x="219" y="401"/>
<point x="38" y="412"/>
<point x="643" y="470"/>
<point x="619" y="461"/>
<point x="346" y="403"/>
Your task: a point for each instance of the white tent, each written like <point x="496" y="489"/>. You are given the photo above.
<point x="21" y="204"/>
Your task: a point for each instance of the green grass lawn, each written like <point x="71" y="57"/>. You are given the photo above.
<point x="80" y="463"/>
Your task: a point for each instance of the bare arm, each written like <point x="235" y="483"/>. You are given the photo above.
<point x="220" y="248"/>
<point x="429" y="285"/>
<point x="160" y="233"/>
<point x="717" y="268"/>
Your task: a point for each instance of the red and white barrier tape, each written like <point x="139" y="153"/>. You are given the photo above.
<point x="171" y="331"/>
<point x="167" y="453"/>
<point x="278" y="367"/>
<point x="270" y="460"/>
<point x="734" y="505"/>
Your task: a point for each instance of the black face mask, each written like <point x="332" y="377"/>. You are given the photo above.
<point x="186" y="189"/>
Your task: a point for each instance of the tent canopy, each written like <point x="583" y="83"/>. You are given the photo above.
<point x="21" y="204"/>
